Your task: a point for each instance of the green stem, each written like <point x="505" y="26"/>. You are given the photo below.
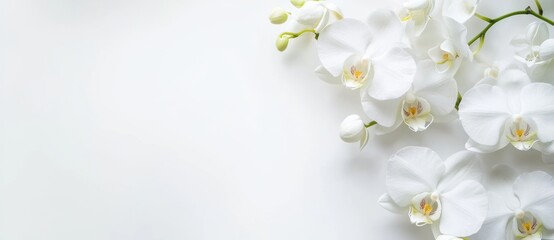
<point x="527" y="11"/>
<point x="368" y="125"/>
<point x="295" y="35"/>
<point x="539" y="6"/>
<point x="486" y="19"/>
<point x="458" y="101"/>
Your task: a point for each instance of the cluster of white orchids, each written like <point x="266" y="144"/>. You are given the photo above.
<point x="407" y="64"/>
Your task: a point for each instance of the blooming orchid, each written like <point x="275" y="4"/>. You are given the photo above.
<point x="445" y="194"/>
<point x="315" y="14"/>
<point x="432" y="96"/>
<point x="448" y="55"/>
<point x="516" y="111"/>
<point x="534" y="47"/>
<point x="418" y="13"/>
<point x="367" y="55"/>
<point x="406" y="68"/>
<point x="460" y="10"/>
<point x="532" y="219"/>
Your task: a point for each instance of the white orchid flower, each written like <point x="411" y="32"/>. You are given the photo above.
<point x="315" y="14"/>
<point x="367" y="55"/>
<point x="460" y="10"/>
<point x="445" y="194"/>
<point x="431" y="97"/>
<point x="418" y="13"/>
<point x="533" y="219"/>
<point x="492" y="73"/>
<point x="515" y="111"/>
<point x="353" y="129"/>
<point x="449" y="54"/>
<point x="534" y="47"/>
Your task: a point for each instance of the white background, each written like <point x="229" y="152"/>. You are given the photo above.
<point x="168" y="119"/>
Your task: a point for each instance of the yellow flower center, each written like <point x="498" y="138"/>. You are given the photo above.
<point x="412" y="111"/>
<point x="427" y="209"/>
<point x="357" y="73"/>
<point x="520" y="133"/>
<point x="527" y="226"/>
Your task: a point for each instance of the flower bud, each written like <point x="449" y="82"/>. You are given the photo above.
<point x="282" y="42"/>
<point x="278" y="16"/>
<point x="298" y="3"/>
<point x="352" y="129"/>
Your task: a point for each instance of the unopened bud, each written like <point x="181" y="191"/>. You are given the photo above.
<point x="282" y="42"/>
<point x="352" y="129"/>
<point x="278" y="16"/>
<point x="298" y="3"/>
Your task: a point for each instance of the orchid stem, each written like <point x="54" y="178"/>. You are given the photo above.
<point x="458" y="101"/>
<point x="539" y="6"/>
<point x="295" y="35"/>
<point x="527" y="11"/>
<point x="486" y="19"/>
<point x="368" y="125"/>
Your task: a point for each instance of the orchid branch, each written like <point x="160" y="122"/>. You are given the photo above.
<point x="368" y="125"/>
<point x="527" y="11"/>
<point x="295" y="35"/>
<point x="539" y="6"/>
<point x="486" y="19"/>
<point x="458" y="101"/>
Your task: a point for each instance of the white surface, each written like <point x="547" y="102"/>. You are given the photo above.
<point x="167" y="119"/>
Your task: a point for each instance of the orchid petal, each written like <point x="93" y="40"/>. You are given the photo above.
<point x="393" y="74"/>
<point x="547" y="234"/>
<point x="537" y="32"/>
<point x="386" y="25"/>
<point x="337" y="12"/>
<point x="416" y="4"/>
<point x="385" y="112"/>
<point x="464" y="209"/>
<point x="535" y="191"/>
<point x="512" y="81"/>
<point x="544" y="148"/>
<point x="537" y="103"/>
<point x="367" y="135"/>
<point x="310" y="14"/>
<point x="546" y="50"/>
<point x="460" y="167"/>
<point x="460" y="10"/>
<point x="387" y="203"/>
<point x="441" y="91"/>
<point x="339" y="41"/>
<point x="322" y="21"/>
<point x="413" y="170"/>
<point x="457" y="33"/>
<point x="483" y="113"/>
<point x="494" y="227"/>
<point x="480" y="148"/>
<point x="326" y="76"/>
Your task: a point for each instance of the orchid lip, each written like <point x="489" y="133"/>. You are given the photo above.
<point x="526" y="224"/>
<point x="416" y="113"/>
<point x="425" y="209"/>
<point x="521" y="134"/>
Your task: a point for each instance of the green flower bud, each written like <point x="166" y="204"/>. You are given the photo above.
<point x="282" y="42"/>
<point x="298" y="3"/>
<point x="278" y="16"/>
